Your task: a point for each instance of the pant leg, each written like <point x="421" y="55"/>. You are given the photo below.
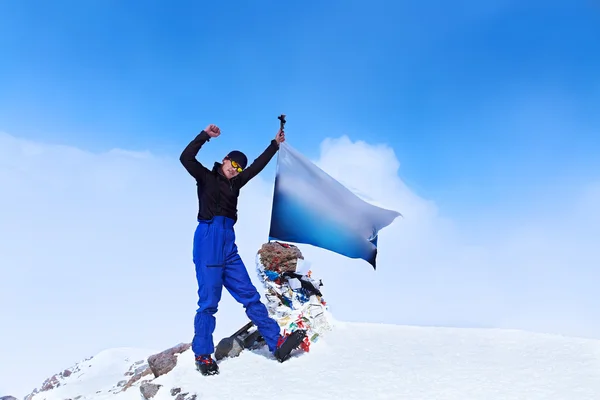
<point x="237" y="281"/>
<point x="208" y="259"/>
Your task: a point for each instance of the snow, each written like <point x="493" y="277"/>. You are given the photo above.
<point x="358" y="361"/>
<point x="97" y="376"/>
<point x="379" y="361"/>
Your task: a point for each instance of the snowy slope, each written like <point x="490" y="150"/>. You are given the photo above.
<point x="105" y="373"/>
<point x="371" y="361"/>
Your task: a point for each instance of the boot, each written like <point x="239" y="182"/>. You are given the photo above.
<point x="288" y="343"/>
<point x="206" y="365"/>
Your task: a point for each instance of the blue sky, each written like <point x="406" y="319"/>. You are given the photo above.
<point x="474" y="98"/>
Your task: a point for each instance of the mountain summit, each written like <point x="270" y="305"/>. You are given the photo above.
<point x="354" y="361"/>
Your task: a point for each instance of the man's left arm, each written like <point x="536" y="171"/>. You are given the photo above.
<point x="259" y="164"/>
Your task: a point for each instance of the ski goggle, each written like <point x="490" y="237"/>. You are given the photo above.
<point x="236" y="166"/>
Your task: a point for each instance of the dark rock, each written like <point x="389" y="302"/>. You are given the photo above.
<point x="8" y="398"/>
<point x="66" y="373"/>
<point x="165" y="361"/>
<point x="140" y="370"/>
<point x="30" y="395"/>
<point x="149" y="390"/>
<point x="184" y="396"/>
<point x="174" y="391"/>
<point x="50" y="383"/>
<point x="137" y="377"/>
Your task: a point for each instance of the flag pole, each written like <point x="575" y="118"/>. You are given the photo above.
<point x="282" y="122"/>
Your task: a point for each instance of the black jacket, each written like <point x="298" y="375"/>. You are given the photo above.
<point x="216" y="194"/>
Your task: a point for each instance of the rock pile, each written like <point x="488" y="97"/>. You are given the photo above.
<point x="294" y="298"/>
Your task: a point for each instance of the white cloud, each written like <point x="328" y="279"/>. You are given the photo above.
<point x="536" y="273"/>
<point x="95" y="252"/>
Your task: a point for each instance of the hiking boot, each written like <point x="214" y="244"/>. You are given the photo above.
<point x="206" y="365"/>
<point x="288" y="343"/>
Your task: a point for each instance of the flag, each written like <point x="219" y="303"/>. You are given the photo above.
<point x="311" y="207"/>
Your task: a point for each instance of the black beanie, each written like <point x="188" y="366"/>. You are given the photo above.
<point x="238" y="157"/>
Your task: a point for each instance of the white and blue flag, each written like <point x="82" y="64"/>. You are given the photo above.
<point x="311" y="207"/>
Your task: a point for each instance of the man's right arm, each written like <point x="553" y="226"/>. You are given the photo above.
<point x="188" y="157"/>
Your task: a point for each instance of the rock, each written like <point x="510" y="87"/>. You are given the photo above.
<point x="137" y="377"/>
<point x="8" y="398"/>
<point x="50" y="383"/>
<point x="165" y="361"/>
<point x="280" y="257"/>
<point x="30" y="395"/>
<point x="122" y="383"/>
<point x="174" y="391"/>
<point x="137" y="371"/>
<point x="184" y="396"/>
<point x="149" y="390"/>
<point x="66" y="373"/>
<point x="140" y="370"/>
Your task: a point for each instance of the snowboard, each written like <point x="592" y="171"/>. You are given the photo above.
<point x="248" y="337"/>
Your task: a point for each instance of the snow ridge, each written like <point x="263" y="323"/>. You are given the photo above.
<point x="106" y="373"/>
<point x="365" y="360"/>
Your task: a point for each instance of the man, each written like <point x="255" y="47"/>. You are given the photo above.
<point x="215" y="252"/>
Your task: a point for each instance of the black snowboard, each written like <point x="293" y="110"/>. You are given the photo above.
<point x="243" y="338"/>
<point x="248" y="338"/>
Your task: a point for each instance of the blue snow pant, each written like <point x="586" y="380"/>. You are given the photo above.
<point x="218" y="264"/>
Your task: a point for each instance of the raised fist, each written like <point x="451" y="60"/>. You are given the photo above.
<point x="280" y="137"/>
<point x="212" y="130"/>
